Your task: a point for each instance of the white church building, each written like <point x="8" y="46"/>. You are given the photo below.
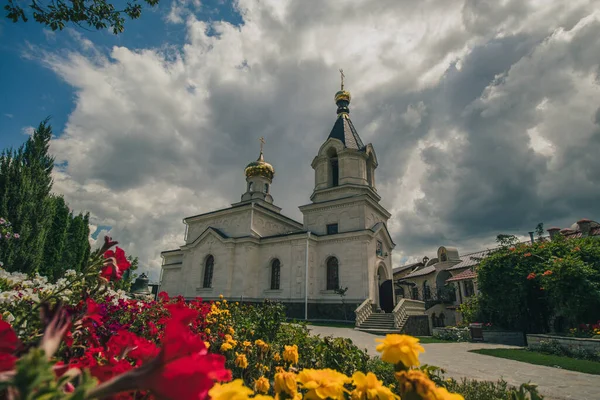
<point x="250" y="251"/>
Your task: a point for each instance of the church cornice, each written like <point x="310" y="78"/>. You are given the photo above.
<point x="351" y="189"/>
<point x="343" y="202"/>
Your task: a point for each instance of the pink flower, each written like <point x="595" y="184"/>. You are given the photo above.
<point x="531" y="276"/>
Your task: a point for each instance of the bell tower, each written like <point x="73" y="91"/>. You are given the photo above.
<point x="344" y="198"/>
<point x="344" y="166"/>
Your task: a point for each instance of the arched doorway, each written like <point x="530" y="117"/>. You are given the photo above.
<point x="386" y="289"/>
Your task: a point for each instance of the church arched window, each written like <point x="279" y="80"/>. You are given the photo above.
<point x="275" y="274"/>
<point x="333" y="167"/>
<point x="208" y="271"/>
<point x="333" y="278"/>
<point x="266" y="188"/>
<point x="426" y="291"/>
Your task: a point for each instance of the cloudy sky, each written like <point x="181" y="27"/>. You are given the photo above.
<point x="485" y="115"/>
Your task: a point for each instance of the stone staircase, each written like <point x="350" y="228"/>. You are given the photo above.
<point x="379" y="323"/>
<point x="395" y="322"/>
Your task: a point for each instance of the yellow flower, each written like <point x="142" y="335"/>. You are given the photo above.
<point x="443" y="394"/>
<point x="246" y="343"/>
<point x="323" y="383"/>
<point x="226" y="347"/>
<point x="262" y="385"/>
<point x="415" y="381"/>
<point x="276" y="357"/>
<point x="400" y="349"/>
<point x="285" y="382"/>
<point x="290" y="354"/>
<point x="262" y="397"/>
<point x="221" y="297"/>
<point x="241" y="361"/>
<point x="207" y="331"/>
<point x="207" y="344"/>
<point x="369" y="387"/>
<point x="230" y="330"/>
<point x="262" y="345"/>
<point x="230" y="391"/>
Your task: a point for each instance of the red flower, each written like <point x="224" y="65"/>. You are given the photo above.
<point x="547" y="273"/>
<point x="93" y="311"/>
<point x="115" y="265"/>
<point x="125" y="343"/>
<point x="163" y="296"/>
<point x="527" y="255"/>
<point x="8" y="345"/>
<point x="188" y="370"/>
<point x="183" y="369"/>
<point x="531" y="276"/>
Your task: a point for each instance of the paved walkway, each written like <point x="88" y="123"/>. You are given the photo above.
<point x="553" y="383"/>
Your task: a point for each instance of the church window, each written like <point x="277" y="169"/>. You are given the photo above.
<point x="275" y="274"/>
<point x="250" y="186"/>
<point x="333" y="279"/>
<point x="426" y="291"/>
<point x="415" y="293"/>
<point x="469" y="288"/>
<point x="332" y="229"/>
<point x="208" y="271"/>
<point x="335" y="172"/>
<point x="266" y="188"/>
<point x="379" y="250"/>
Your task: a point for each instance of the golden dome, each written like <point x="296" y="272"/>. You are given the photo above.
<point x="260" y="168"/>
<point x="342" y="95"/>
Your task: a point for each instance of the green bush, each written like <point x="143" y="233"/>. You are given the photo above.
<point x="554" y="347"/>
<point x="471" y="389"/>
<point x="559" y="278"/>
<point x="453" y="334"/>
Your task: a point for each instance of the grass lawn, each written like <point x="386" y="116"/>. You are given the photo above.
<point x="550" y="360"/>
<point x="333" y="324"/>
<point x="431" y="339"/>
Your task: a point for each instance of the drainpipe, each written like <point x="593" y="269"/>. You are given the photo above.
<point x="306" y="280"/>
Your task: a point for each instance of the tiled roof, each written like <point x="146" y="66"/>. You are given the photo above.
<point x="344" y="130"/>
<point x="420" y="272"/>
<point x="471" y="259"/>
<point x="406" y="266"/>
<point x="466" y="274"/>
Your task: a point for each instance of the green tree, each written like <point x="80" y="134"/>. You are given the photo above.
<point x="528" y="286"/>
<point x="97" y="14"/>
<point x="52" y="239"/>
<point x="26" y="185"/>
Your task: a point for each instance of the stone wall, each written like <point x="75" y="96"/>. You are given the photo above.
<point x="533" y="341"/>
<point x="416" y="325"/>
<point x="322" y="311"/>
<point x="502" y="337"/>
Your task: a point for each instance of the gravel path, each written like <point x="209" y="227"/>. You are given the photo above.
<point x="553" y="383"/>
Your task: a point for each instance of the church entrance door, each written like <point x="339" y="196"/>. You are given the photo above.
<point x="386" y="290"/>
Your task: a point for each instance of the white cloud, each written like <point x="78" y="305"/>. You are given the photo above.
<point x="160" y="134"/>
<point x="27" y="130"/>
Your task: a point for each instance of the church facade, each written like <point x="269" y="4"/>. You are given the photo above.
<point x="250" y="251"/>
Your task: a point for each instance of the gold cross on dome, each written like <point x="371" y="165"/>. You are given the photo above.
<point x="343" y="76"/>
<point x="262" y="142"/>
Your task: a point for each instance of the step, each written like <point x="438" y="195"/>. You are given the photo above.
<point x="378" y="331"/>
<point x="376" y="326"/>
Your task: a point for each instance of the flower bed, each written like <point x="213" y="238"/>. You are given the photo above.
<point x="453" y="334"/>
<point x="584" y="348"/>
<point x="80" y="339"/>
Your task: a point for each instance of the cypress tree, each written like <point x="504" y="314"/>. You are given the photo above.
<point x="52" y="238"/>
